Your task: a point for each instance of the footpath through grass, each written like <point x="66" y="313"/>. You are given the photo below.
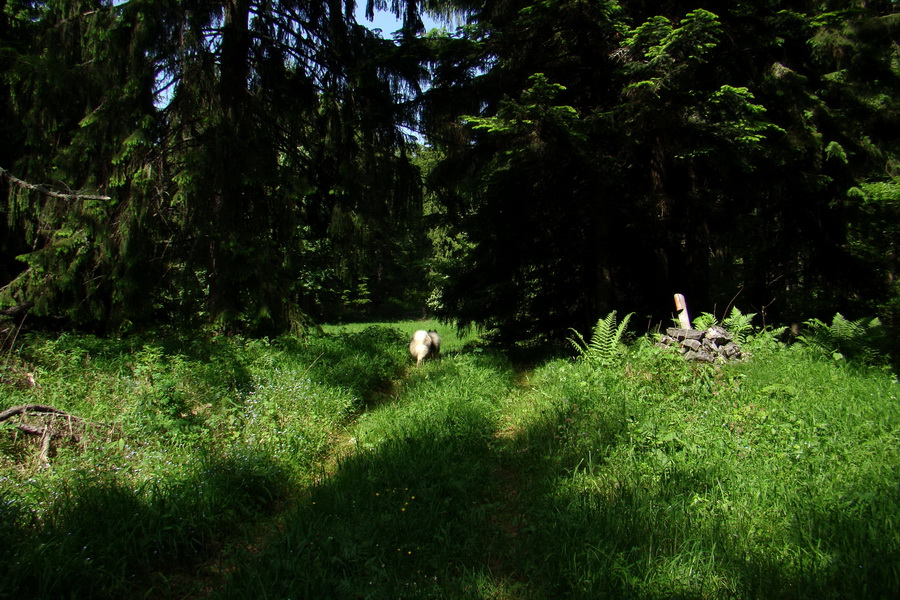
<point x="190" y="449"/>
<point x="358" y="476"/>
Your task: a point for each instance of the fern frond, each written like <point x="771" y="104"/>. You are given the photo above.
<point x="579" y="344"/>
<point x="602" y="350"/>
<point x="602" y="337"/>
<point x="620" y="330"/>
<point x="739" y="324"/>
<point x="705" y="321"/>
<point x="843" y="337"/>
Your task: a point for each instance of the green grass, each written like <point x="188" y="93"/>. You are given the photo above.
<point x="407" y="510"/>
<point x="196" y="441"/>
<point x="331" y="467"/>
<point x="452" y="341"/>
<point x="775" y="478"/>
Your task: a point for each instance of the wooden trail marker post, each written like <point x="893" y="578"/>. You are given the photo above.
<point x="681" y="306"/>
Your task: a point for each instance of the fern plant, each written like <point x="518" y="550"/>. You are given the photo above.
<point x="844" y="338"/>
<point x="705" y="321"/>
<point x="737" y="324"/>
<point x="606" y="336"/>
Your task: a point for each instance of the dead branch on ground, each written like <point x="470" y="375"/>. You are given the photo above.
<point x="49" y="423"/>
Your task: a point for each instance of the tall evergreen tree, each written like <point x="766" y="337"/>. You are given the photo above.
<point x="597" y="155"/>
<point x="77" y="104"/>
<point x="715" y="149"/>
<point x="534" y="195"/>
<point x="238" y="141"/>
<point x="12" y="41"/>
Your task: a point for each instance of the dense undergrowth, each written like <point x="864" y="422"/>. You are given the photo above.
<point x="195" y="440"/>
<point x="314" y="468"/>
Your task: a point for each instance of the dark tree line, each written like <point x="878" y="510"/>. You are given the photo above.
<point x="582" y="156"/>
<point x="618" y="152"/>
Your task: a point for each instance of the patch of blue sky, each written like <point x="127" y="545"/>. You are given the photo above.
<point x="388" y="24"/>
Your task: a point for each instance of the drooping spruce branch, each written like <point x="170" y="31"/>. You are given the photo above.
<point x="47" y="191"/>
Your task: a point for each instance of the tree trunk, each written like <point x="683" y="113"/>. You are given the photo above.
<point x="229" y="155"/>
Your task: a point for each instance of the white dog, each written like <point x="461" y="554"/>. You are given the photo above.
<point x="425" y="344"/>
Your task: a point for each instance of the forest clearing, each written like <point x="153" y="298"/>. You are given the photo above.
<point x="190" y="189"/>
<point x="330" y="466"/>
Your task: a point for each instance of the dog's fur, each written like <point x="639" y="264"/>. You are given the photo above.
<point x="435" y="343"/>
<point x="425" y="344"/>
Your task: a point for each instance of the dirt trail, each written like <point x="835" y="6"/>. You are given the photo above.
<point x="503" y="535"/>
<point x="508" y="517"/>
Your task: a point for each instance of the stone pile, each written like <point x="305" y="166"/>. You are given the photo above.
<point x="707" y="345"/>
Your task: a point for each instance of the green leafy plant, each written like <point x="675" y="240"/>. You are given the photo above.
<point x="845" y="339"/>
<point x="737" y="323"/>
<point x="606" y="336"/>
<point x="703" y="321"/>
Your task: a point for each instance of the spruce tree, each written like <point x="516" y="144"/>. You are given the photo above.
<point x="247" y="148"/>
<point x="716" y="146"/>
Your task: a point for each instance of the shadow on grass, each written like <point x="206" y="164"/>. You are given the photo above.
<point x="671" y="532"/>
<point x="408" y="516"/>
<point x="453" y="509"/>
<point x="101" y="539"/>
<point x="357" y="361"/>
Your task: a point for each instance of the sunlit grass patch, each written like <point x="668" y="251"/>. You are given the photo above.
<point x="471" y="477"/>
<point x="451" y="340"/>
<point x="662" y="479"/>
<point x="207" y="435"/>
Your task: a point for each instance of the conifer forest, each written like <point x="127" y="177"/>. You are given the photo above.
<point x="346" y="299"/>
<point x="524" y="167"/>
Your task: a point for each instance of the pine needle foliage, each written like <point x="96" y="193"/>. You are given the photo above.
<point x="245" y="187"/>
<point x="602" y="350"/>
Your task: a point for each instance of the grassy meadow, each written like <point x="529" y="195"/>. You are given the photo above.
<point x="330" y="467"/>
